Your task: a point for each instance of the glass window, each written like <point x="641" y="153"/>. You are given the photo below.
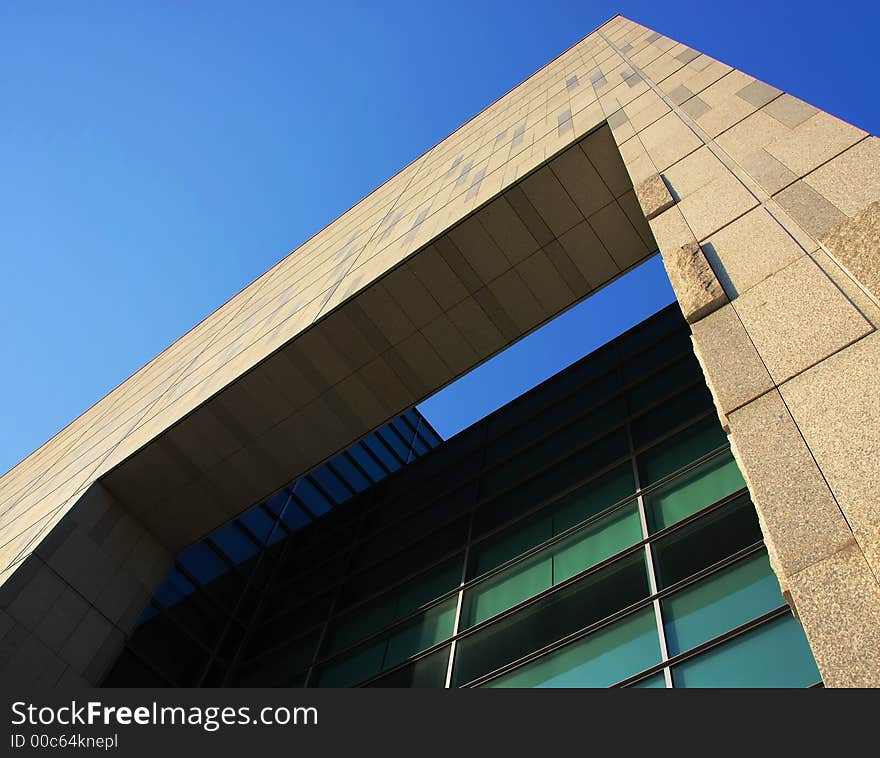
<point x="712" y="538"/>
<point x="373" y="616"/>
<point x="670" y="414"/>
<point x="671" y="379"/>
<point x="429" y="671"/>
<point x="382" y="452"/>
<point x="313" y="498"/>
<point x="654" y="682"/>
<point x="348" y="471"/>
<point x="259" y="522"/>
<point x="682" y="449"/>
<point x="331" y="484"/>
<point x="366" y="462"/>
<point x="686" y="494"/>
<point x="433" y="626"/>
<point x="721" y="602"/>
<point x="560" y="561"/>
<point x="170" y="650"/>
<point x="602" y="659"/>
<point x="573" y="470"/>
<point x="203" y="562"/>
<point x="551" y="618"/>
<point x="775" y="654"/>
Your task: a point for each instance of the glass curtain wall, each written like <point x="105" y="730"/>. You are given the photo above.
<point x="595" y="532"/>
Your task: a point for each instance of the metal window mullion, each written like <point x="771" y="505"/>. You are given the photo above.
<point x="649" y="558"/>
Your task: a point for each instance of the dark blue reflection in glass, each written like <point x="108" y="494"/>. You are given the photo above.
<point x="202" y="562"/>
<point x="348" y="471"/>
<point x="259" y="522"/>
<point x="366" y="462"/>
<point x="381" y="451"/>
<point x="311" y="496"/>
<point x="331" y="484"/>
<point x="234" y="543"/>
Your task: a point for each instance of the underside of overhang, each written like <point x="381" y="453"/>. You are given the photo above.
<point x="548" y="241"/>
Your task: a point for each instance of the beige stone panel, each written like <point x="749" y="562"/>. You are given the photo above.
<point x="750" y="249"/>
<point x="768" y="172"/>
<point x="799" y="517"/>
<point x="589" y="255"/>
<point x="671" y="230"/>
<point x="853" y="290"/>
<point x="837" y="407"/>
<point x="751" y="135"/>
<point x="697" y="289"/>
<point x="552" y="202"/>
<point x="809" y="209"/>
<point x="726" y="106"/>
<point x="731" y="364"/>
<point x="716" y="205"/>
<point x="780" y="315"/>
<point x="638" y="163"/>
<point x="581" y="180"/>
<point x="600" y="149"/>
<point x="815" y="141"/>
<point x="668" y="140"/>
<point x="432" y="271"/>
<point x="838" y="603"/>
<point x="450" y="345"/>
<point x="645" y="110"/>
<point x="693" y="172"/>
<point x="618" y="235"/>
<point x="662" y="67"/>
<point x="693" y="78"/>
<point x="852" y="180"/>
<point x="545" y="282"/>
<point x="517" y="301"/>
<point x="507" y="229"/>
<point x="790" y="111"/>
<point x="636" y="217"/>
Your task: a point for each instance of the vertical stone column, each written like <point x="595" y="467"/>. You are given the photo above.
<point x="766" y="212"/>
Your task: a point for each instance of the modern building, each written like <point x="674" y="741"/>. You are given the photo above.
<point x="693" y="504"/>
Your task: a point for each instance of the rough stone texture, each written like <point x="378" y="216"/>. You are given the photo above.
<point x="698" y="291"/>
<point x="799" y="517"/>
<point x="751" y="249"/>
<point x="856" y="245"/>
<point x="836" y="405"/>
<point x="797" y="317"/>
<point x="730" y="362"/>
<point x="653" y="196"/>
<point x="838" y="603"/>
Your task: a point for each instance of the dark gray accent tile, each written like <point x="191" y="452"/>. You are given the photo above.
<point x="475" y="184"/>
<point x="455" y="164"/>
<point x="462" y="177"/>
<point x="758" y="94"/>
<point x="563" y="120"/>
<point x="686" y="56"/>
<point x="423" y="214"/>
<point x="631" y="77"/>
<point x="695" y="107"/>
<point x="572" y="83"/>
<point x="680" y="94"/>
<point x="598" y="79"/>
<point x="501" y="136"/>
<point x="618" y="118"/>
<point x="652" y="37"/>
<point x="518" y="133"/>
<point x="626" y="48"/>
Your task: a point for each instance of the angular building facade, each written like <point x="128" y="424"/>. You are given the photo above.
<point x="767" y="214"/>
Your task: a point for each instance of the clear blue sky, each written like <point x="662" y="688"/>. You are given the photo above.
<point x="156" y="157"/>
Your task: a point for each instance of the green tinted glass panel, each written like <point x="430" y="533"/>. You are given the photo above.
<point x="773" y="655"/>
<point x="600" y="660"/>
<point x="711" y="538"/>
<point x="593" y="498"/>
<point x="558" y="562"/>
<point x="655" y="682"/>
<point x="431" y="627"/>
<point x="371" y="617"/>
<point x="354" y="667"/>
<point x="690" y="492"/>
<point x="408" y="639"/>
<point x="510" y="543"/>
<point x="685" y="447"/>
<point x="429" y="671"/>
<point x="552" y="618"/>
<point x="720" y="603"/>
